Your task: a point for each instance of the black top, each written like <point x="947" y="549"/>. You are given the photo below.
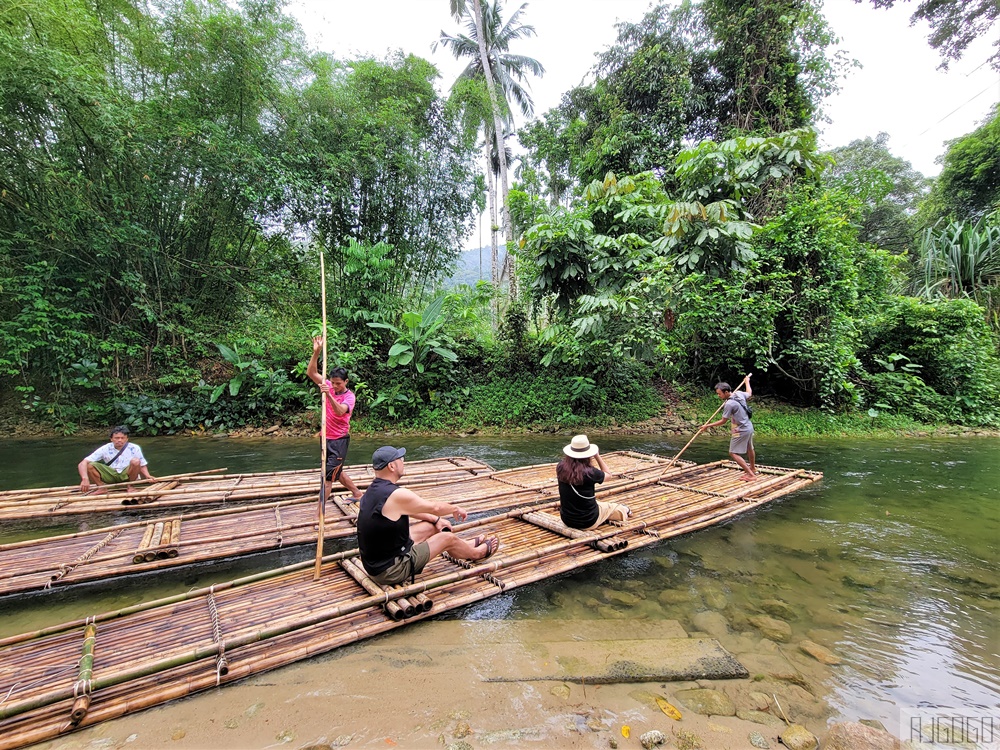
<point x="578" y="503"/>
<point x="380" y="540"/>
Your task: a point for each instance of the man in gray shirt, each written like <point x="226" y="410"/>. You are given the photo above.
<point x="741" y="442"/>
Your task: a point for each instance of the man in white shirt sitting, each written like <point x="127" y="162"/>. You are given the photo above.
<point x="118" y="461"/>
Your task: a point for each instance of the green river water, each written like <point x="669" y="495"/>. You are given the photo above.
<point x="891" y="561"/>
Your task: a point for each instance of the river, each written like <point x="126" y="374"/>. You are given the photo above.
<point x="891" y="561"/>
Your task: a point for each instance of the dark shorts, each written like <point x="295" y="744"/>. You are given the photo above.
<point x="336" y="453"/>
<point x="406" y="566"/>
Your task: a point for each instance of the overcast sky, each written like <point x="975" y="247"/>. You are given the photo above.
<point x="898" y="89"/>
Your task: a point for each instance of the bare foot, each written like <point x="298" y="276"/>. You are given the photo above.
<point x="492" y="544"/>
<point x="747" y="477"/>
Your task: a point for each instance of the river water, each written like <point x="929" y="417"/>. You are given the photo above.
<point x="891" y="561"/>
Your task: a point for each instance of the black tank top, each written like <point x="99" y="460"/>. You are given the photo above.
<point x="380" y="540"/>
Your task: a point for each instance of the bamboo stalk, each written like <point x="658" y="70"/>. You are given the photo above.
<point x="321" y="507"/>
<point x="82" y="702"/>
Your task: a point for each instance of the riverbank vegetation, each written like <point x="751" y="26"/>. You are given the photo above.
<point x="170" y="173"/>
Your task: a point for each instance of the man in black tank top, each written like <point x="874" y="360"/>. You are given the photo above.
<point x="399" y="532"/>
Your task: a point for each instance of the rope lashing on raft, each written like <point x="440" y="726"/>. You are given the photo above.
<point x="221" y="665"/>
<point x="68" y="568"/>
<point x="470" y="564"/>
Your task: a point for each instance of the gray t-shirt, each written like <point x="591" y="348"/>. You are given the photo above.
<point x="735" y="409"/>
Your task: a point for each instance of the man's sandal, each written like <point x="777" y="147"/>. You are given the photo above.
<point x="492" y="545"/>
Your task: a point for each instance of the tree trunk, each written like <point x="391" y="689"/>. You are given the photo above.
<point x="491" y="189"/>
<point x="498" y="130"/>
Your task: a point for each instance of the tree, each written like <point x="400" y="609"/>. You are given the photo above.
<point x="954" y="24"/>
<point x="888" y="187"/>
<point x="503" y="73"/>
<point x="969" y="184"/>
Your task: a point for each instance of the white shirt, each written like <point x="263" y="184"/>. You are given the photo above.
<point x="106" y="452"/>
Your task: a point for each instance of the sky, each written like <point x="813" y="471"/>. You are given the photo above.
<point x="898" y="88"/>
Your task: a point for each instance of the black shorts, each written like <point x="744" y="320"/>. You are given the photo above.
<point x="336" y="453"/>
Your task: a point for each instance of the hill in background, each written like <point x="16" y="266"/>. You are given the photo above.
<point x="467" y="270"/>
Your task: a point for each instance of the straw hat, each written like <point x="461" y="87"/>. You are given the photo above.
<point x="580" y="447"/>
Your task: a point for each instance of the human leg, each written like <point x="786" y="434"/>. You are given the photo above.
<point x="738" y="445"/>
<point x="460" y="548"/>
<point x="752" y="457"/>
<point x="95" y="478"/>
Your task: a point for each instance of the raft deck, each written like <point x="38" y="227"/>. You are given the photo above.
<point x="203" y="491"/>
<point x="159" y="544"/>
<point x="87" y="671"/>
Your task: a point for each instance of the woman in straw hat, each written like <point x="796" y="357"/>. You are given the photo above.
<point x="579" y="507"/>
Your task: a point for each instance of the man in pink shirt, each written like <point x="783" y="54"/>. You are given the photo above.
<point x="339" y="407"/>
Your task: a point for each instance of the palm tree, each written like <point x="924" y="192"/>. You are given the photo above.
<point x="488" y="44"/>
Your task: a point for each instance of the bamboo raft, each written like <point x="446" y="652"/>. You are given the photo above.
<point x="159" y="544"/>
<point x="202" y="489"/>
<point x="79" y="673"/>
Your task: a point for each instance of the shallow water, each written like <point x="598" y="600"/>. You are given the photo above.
<point x="891" y="561"/>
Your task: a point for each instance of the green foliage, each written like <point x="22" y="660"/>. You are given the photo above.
<point x="969" y="184"/>
<point x="949" y="361"/>
<point x="887" y="186"/>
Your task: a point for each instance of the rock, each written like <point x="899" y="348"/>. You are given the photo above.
<point x="272" y="429"/>
<point x="853" y="735"/>
<point x="462" y="730"/>
<point x="253" y="710"/>
<point x="560" y="691"/>
<point x="757" y="740"/>
<point x="715" y="599"/>
<point x="652" y="738"/>
<point x="797" y="737"/>
<point x="873" y="723"/>
<point x="460" y="745"/>
<point x="712" y="623"/>
<point x="317" y="747"/>
<point x="779" y="609"/>
<point x="343" y="740"/>
<point x="594" y="724"/>
<point x="614" y="596"/>
<point x="769" y="627"/>
<point x="760" y="717"/>
<point x="759" y="701"/>
<point x="707" y="702"/>
<point x="179" y="734"/>
<point x="819" y="653"/>
<point x="861" y="580"/>
<point x="613" y="744"/>
<point x="674" y="596"/>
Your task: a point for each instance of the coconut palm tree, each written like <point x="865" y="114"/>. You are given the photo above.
<point x="487" y="45"/>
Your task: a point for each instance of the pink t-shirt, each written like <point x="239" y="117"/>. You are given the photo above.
<point x="336" y="425"/>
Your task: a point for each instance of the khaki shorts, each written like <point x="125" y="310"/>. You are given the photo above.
<point x="741" y="443"/>
<point x="604" y="511"/>
<point x="405" y="566"/>
<point x="109" y="475"/>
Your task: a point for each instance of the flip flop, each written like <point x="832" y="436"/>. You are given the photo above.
<point x="492" y="545"/>
<point x="479" y="540"/>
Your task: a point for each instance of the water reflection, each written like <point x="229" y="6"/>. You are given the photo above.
<point x="890" y="563"/>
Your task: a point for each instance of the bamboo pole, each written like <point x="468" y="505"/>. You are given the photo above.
<point x="82" y="702"/>
<point x="321" y="507"/>
<point x="69" y="489"/>
<point x="678" y="455"/>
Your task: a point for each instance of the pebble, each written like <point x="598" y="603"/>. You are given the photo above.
<point x="652" y="739"/>
<point x="757" y="740"/>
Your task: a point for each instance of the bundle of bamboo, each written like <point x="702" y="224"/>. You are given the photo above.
<point x="202" y="489"/>
<point x="138" y="548"/>
<point x="158" y="651"/>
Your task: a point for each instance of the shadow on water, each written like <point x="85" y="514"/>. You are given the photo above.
<point x="891" y="562"/>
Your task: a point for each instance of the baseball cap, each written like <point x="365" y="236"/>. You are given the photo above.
<point x="386" y="455"/>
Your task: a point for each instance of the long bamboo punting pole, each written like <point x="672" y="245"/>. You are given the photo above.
<point x="672" y="460"/>
<point x="321" y="506"/>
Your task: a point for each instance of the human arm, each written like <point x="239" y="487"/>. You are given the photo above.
<point x="312" y="370"/>
<point x="84" y="477"/>
<point x="602" y="465"/>
<point x="405" y="501"/>
<point x="340" y="408"/>
<point x="749" y="389"/>
<point x="144" y="473"/>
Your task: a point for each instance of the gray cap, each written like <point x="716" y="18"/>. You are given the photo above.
<point x="386" y="455"/>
